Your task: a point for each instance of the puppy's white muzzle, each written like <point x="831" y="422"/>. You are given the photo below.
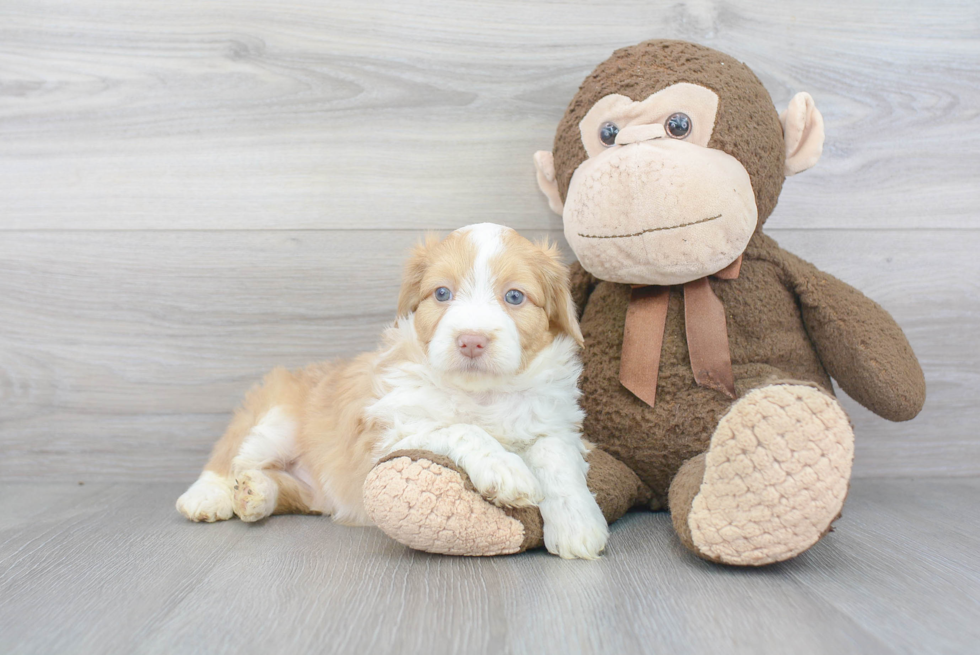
<point x="476" y="335"/>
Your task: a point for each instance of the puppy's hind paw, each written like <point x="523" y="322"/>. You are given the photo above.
<point x="255" y="496"/>
<point x="506" y="481"/>
<point x="209" y="499"/>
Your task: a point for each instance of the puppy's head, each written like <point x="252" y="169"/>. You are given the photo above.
<point x="486" y="300"/>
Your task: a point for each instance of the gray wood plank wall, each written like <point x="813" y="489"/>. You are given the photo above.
<point x="191" y="193"/>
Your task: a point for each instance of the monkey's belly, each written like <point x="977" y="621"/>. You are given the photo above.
<point x="653" y="442"/>
<point x="767" y="346"/>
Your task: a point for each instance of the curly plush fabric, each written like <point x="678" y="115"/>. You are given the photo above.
<point x="427" y="504"/>
<point x="775" y="476"/>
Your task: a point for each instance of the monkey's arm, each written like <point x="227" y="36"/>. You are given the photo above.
<point x="858" y="342"/>
<point x="581" y="284"/>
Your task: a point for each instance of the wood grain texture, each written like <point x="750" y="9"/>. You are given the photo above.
<point x="114" y="569"/>
<point x="312" y="115"/>
<point x="192" y="193"/>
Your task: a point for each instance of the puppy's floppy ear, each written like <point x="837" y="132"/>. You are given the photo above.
<point x="411" y="292"/>
<point x="558" y="302"/>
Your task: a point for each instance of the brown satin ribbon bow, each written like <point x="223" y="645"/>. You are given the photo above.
<point x="707" y="336"/>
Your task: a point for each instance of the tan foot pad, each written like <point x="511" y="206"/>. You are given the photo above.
<point x="432" y="508"/>
<point x="776" y="475"/>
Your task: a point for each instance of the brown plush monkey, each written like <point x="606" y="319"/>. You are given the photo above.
<point x="708" y="349"/>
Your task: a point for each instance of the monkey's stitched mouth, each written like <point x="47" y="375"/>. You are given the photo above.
<point x="652" y="229"/>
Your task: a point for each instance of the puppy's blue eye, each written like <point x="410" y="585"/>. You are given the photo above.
<point x="443" y="294"/>
<point x="607" y="134"/>
<point x="514" y="297"/>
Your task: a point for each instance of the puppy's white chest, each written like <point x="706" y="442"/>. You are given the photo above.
<point x="508" y="417"/>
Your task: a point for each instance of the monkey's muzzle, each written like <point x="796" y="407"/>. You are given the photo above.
<point x="659" y="211"/>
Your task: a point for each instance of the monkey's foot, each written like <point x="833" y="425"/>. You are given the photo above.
<point x="772" y="481"/>
<point x="425" y="502"/>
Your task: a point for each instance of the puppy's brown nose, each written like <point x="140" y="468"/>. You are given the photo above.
<point x="472" y="345"/>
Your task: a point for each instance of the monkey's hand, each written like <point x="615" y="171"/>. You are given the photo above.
<point x="859" y="343"/>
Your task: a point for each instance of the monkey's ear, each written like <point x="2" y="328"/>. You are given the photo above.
<point x="544" y="164"/>
<point x="803" y="133"/>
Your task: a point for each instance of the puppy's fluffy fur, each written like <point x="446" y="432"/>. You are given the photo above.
<point x="465" y="371"/>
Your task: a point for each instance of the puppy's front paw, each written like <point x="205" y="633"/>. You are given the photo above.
<point x="505" y="480"/>
<point x="574" y="527"/>
<point x="255" y="495"/>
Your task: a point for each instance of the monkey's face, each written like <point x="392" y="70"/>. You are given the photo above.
<point x="652" y="203"/>
<point x="668" y="159"/>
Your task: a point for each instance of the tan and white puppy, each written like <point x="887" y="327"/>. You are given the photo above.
<point x="481" y="366"/>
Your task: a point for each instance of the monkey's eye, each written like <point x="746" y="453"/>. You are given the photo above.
<point x="443" y="294"/>
<point x="678" y="125"/>
<point x="607" y="134"/>
<point x="514" y="297"/>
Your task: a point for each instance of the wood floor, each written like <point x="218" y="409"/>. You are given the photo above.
<point x="194" y="192"/>
<point x="112" y="568"/>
